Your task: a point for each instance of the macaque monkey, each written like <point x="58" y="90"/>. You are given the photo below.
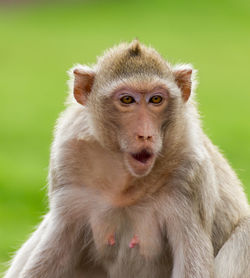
<point x="136" y="189"/>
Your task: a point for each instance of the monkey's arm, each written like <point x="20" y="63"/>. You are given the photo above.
<point x="56" y="250"/>
<point x="191" y="244"/>
<point x="233" y="259"/>
<point x="56" y="253"/>
<point x="24" y="253"/>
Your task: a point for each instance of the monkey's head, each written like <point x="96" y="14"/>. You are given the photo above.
<point x="133" y="97"/>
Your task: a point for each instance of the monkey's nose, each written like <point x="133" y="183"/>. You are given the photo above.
<point x="144" y="138"/>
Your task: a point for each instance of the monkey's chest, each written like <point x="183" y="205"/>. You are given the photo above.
<point x="131" y="246"/>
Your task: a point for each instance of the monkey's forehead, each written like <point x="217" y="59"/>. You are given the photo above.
<point x="137" y="83"/>
<point x="127" y="60"/>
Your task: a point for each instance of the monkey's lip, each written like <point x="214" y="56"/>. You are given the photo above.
<point x="143" y="156"/>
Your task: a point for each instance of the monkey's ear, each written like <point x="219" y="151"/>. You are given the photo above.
<point x="83" y="82"/>
<point x="183" y="79"/>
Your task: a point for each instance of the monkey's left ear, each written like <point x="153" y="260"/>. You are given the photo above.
<point x="183" y="79"/>
<point x="83" y="82"/>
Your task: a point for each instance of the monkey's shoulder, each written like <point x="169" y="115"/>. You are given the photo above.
<point x="73" y="123"/>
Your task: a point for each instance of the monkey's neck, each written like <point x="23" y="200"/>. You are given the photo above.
<point x="132" y="190"/>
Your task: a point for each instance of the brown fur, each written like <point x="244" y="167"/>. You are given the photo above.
<point x="180" y="213"/>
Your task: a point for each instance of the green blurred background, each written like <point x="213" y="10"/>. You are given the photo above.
<point x="39" y="43"/>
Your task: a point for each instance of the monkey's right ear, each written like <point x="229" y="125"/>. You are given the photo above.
<point x="83" y="82"/>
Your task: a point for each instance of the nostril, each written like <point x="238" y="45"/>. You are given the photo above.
<point x="144" y="138"/>
<point x="140" y="137"/>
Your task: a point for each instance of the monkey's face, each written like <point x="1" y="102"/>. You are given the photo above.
<point x="139" y="115"/>
<point x="129" y="104"/>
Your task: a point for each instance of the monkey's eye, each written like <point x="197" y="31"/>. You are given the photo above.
<point x="156" y="99"/>
<point x="127" y="99"/>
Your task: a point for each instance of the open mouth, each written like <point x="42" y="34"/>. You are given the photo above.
<point x="142" y="156"/>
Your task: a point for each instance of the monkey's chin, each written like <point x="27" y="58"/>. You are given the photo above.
<point x="139" y="164"/>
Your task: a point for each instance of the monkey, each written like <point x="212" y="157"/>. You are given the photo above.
<point x="136" y="188"/>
